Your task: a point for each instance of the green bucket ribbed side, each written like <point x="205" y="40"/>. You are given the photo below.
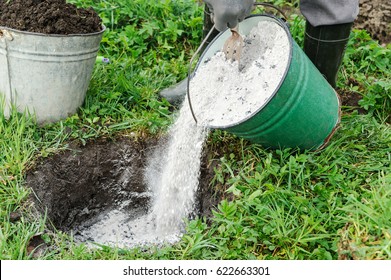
<point x="303" y="112"/>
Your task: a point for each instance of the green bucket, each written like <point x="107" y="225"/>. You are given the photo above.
<point x="303" y="112"/>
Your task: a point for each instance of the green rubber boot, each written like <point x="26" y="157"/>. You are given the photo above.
<point x="176" y="93"/>
<point x="325" y="46"/>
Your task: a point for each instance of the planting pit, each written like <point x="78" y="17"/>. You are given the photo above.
<point x="98" y="194"/>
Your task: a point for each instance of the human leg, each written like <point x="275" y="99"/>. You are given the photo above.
<point x="327" y="33"/>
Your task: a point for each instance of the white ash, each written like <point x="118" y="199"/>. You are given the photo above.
<point x="175" y="180"/>
<point x="172" y="176"/>
<point x="224" y="93"/>
<point x="123" y="229"/>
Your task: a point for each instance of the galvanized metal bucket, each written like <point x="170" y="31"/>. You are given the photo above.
<point x="302" y="112"/>
<point x="47" y="75"/>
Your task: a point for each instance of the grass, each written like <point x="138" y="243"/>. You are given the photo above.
<point x="283" y="204"/>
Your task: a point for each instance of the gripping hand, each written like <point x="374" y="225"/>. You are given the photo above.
<point x="228" y="13"/>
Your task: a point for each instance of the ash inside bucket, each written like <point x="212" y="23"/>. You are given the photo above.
<point x="97" y="192"/>
<point x="225" y="93"/>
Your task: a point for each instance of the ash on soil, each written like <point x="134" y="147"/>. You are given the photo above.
<point x="76" y="187"/>
<point x="48" y="17"/>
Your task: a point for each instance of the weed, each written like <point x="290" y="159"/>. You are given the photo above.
<point x="368" y="64"/>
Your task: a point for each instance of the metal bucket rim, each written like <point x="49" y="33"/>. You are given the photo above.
<point x="53" y="35"/>
<point x="290" y="40"/>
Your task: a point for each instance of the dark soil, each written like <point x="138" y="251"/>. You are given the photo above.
<point x="375" y="17"/>
<point x="77" y="186"/>
<point x="351" y="100"/>
<point x="48" y="17"/>
<point x="80" y="183"/>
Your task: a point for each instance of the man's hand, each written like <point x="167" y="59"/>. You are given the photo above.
<point x="228" y="13"/>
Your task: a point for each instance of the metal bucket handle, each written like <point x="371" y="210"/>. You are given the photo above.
<point x="189" y="71"/>
<point x="202" y="45"/>
<point x="272" y="6"/>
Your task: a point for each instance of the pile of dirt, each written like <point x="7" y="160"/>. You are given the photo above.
<point x="375" y="17"/>
<point x="48" y="17"/>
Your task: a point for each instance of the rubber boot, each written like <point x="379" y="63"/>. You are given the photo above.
<point x="325" y="46"/>
<point x="176" y="93"/>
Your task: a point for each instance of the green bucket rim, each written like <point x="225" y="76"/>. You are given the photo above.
<point x="283" y="24"/>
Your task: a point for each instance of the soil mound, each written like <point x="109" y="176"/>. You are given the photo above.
<point x="48" y="17"/>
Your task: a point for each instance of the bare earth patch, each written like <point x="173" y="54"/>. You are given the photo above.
<point x="78" y="187"/>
